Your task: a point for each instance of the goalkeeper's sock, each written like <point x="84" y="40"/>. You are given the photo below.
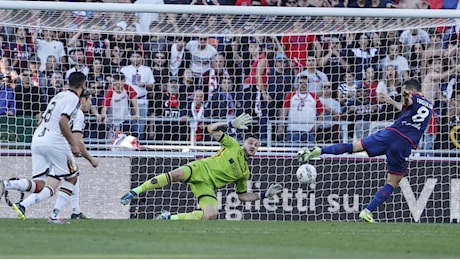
<point x="154" y="183"/>
<point x="194" y="215"/>
<point x="338" y="149"/>
<point x="380" y="197"/>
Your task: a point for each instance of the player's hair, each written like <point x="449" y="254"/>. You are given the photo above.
<point x="413" y="84"/>
<point x="251" y="135"/>
<point x="76" y="79"/>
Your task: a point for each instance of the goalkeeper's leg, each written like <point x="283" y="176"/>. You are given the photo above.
<point x="181" y="174"/>
<point x="209" y="211"/>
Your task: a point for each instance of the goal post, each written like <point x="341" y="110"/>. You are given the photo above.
<point x="356" y="54"/>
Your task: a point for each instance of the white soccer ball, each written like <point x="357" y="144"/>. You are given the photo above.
<point x="306" y="173"/>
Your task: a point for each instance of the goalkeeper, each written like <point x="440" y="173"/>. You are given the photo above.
<point x="207" y="175"/>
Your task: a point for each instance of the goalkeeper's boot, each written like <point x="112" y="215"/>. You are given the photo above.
<point x="79" y="216"/>
<point x="366" y="215"/>
<point x="20" y="210"/>
<point x="57" y="221"/>
<point x="126" y="199"/>
<point x="305" y="155"/>
<point x="165" y="215"/>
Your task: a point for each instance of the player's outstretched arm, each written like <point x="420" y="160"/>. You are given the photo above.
<point x="270" y="192"/>
<point x="78" y="136"/>
<point x="217" y="129"/>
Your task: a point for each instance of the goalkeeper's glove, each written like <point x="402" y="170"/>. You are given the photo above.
<point x="271" y="191"/>
<point x="241" y="122"/>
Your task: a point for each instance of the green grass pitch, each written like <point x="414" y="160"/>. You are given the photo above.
<point x="35" y="238"/>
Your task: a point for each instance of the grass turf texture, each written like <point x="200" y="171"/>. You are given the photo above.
<point x="35" y="238"/>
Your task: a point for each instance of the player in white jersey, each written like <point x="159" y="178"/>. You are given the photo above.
<point x="54" y="147"/>
<point x="36" y="184"/>
<point x="78" y="125"/>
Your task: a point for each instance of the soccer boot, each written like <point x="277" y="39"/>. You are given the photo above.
<point x="20" y="210"/>
<point x="57" y="221"/>
<point x="79" y="216"/>
<point x="365" y="215"/>
<point x="126" y="199"/>
<point x="305" y="155"/>
<point x="165" y="215"/>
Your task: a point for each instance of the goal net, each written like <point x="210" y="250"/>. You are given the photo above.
<point x="161" y="73"/>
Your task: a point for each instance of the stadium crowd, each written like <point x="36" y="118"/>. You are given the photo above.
<point x="162" y="87"/>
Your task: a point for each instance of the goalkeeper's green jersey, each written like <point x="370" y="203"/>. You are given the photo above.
<point x="228" y="165"/>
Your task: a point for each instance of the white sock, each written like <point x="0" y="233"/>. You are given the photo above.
<point x="63" y="196"/>
<point x="75" y="198"/>
<point x="20" y="185"/>
<point x="37" y="197"/>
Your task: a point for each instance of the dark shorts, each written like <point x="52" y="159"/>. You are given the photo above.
<point x="395" y="147"/>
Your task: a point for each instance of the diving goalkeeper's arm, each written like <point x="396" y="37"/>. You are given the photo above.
<point x="272" y="190"/>
<point x="218" y="129"/>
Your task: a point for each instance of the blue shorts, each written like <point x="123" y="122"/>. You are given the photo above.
<point x="396" y="148"/>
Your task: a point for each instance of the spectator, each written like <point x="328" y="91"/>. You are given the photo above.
<point x="202" y="54"/>
<point x="21" y="50"/>
<point x="78" y="55"/>
<point x="431" y="84"/>
<point x="116" y="106"/>
<point x="333" y="62"/>
<point x="222" y="102"/>
<point x="434" y="48"/>
<point x="361" y="111"/>
<point x="382" y="4"/>
<point x="415" y="61"/>
<point x="7" y="99"/>
<point x="253" y="97"/>
<point x="39" y="79"/>
<point x="179" y="57"/>
<point x="146" y="19"/>
<point x="347" y="89"/>
<point x="160" y="69"/>
<point x="329" y="130"/>
<point x="389" y="94"/>
<point x="116" y="61"/>
<point x="297" y="43"/>
<point x="279" y="83"/>
<point x="29" y="99"/>
<point x="411" y="36"/>
<point x="6" y="69"/>
<point x="361" y="56"/>
<point x="301" y="109"/>
<point x="396" y="60"/>
<point x="48" y="45"/>
<point x="55" y="84"/>
<point x="4" y="47"/>
<point x="167" y="107"/>
<point x="153" y="44"/>
<point x="194" y="112"/>
<point x="216" y="74"/>
<point x="370" y="83"/>
<point x="360" y="4"/>
<point x="51" y="66"/>
<point x="187" y="85"/>
<point x="141" y="79"/>
<point x="316" y="78"/>
<point x="93" y="44"/>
